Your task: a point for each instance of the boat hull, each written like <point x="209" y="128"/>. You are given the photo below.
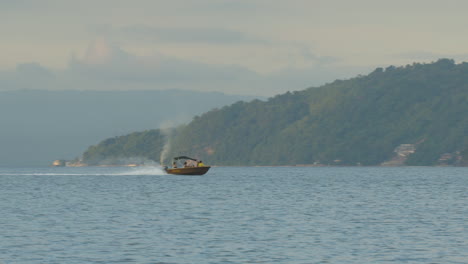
<point x="188" y="171"/>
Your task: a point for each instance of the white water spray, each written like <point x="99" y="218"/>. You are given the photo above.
<point x="166" y="130"/>
<point x="165" y="151"/>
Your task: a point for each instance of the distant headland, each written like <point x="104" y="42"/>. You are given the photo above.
<point x="410" y="115"/>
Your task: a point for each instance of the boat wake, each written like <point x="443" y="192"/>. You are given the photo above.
<point x="144" y="171"/>
<point x="90" y="171"/>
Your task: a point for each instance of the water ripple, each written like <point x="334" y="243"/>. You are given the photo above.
<point x="234" y="215"/>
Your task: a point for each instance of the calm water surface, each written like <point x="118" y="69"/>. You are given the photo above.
<point x="234" y="215"/>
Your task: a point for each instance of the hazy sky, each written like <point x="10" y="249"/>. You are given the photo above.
<point x="258" y="47"/>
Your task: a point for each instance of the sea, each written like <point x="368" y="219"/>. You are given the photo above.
<point x="296" y="215"/>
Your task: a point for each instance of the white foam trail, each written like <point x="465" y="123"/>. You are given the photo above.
<point x="144" y="171"/>
<point x="134" y="171"/>
<point x="56" y="174"/>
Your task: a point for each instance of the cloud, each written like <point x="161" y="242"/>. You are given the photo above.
<point x="419" y="55"/>
<point x="359" y="32"/>
<point x="34" y="70"/>
<point x="105" y="62"/>
<point x="180" y="35"/>
<point x="430" y="56"/>
<point x="106" y="66"/>
<point x="308" y="55"/>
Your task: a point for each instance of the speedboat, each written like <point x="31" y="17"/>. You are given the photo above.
<point x="189" y="167"/>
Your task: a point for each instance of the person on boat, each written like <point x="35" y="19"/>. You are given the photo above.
<point x="185" y="164"/>
<point x="190" y="164"/>
<point x="174" y="165"/>
<point x="200" y="164"/>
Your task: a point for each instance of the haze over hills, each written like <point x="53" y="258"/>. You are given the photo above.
<point x="413" y="115"/>
<point x="39" y="126"/>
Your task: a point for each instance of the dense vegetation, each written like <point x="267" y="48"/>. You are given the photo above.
<point x="356" y="121"/>
<point x="137" y="147"/>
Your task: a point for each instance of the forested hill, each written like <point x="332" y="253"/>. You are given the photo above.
<point x="360" y="121"/>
